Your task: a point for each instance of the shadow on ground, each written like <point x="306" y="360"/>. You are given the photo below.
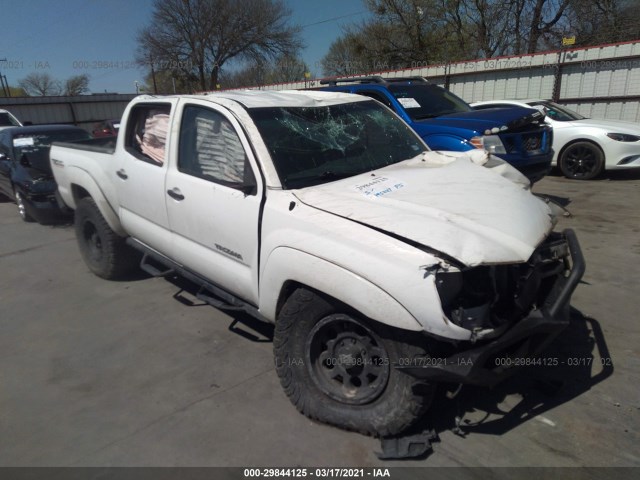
<point x="577" y="360"/>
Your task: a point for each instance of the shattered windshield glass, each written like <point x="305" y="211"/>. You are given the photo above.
<point x="314" y="145"/>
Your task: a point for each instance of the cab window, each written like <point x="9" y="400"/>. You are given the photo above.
<point x="147" y="130"/>
<point x="210" y="148"/>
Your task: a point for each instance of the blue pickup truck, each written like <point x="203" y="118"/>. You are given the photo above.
<point x="446" y="122"/>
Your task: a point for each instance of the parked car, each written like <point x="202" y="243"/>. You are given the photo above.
<point x="446" y="122"/>
<point x="583" y="147"/>
<point x="108" y="128"/>
<point x="8" y="120"/>
<point x="385" y="267"/>
<point x="25" y="171"/>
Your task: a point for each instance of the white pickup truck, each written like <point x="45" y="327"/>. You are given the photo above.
<point x="386" y="267"/>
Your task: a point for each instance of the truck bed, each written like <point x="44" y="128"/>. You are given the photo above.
<point x="100" y="145"/>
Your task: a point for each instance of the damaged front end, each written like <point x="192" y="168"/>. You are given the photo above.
<point x="512" y="311"/>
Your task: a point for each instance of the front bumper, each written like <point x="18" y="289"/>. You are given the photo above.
<point x="492" y="362"/>
<point x="46" y="207"/>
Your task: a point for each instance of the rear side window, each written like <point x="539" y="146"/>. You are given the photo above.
<point x="210" y="148"/>
<point x="147" y="132"/>
<point x="7" y="120"/>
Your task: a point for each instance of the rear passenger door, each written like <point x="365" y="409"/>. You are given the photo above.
<point x="140" y="175"/>
<point x="214" y="200"/>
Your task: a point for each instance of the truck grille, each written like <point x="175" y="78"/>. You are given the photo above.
<point x="526" y="143"/>
<point x="532" y="142"/>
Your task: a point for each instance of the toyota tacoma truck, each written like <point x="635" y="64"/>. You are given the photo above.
<point x="446" y="122"/>
<point x="386" y="267"/>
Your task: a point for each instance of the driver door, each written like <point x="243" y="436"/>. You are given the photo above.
<point x="214" y="201"/>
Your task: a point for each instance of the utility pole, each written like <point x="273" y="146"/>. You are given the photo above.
<point x="3" y="81"/>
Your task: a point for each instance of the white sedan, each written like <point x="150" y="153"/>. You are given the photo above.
<point x="583" y="147"/>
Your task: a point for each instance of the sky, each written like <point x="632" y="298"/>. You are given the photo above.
<point x="96" y="37"/>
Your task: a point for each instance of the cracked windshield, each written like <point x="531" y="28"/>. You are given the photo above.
<point x="314" y="145"/>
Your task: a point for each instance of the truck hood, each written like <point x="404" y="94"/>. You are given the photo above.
<point x="461" y="209"/>
<point x="493" y="120"/>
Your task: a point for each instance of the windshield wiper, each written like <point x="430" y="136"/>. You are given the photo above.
<point x="424" y="116"/>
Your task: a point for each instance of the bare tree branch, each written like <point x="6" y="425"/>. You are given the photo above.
<point x="194" y="39"/>
<point x="40" y="84"/>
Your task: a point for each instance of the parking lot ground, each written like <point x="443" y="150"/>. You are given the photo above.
<point x="98" y="373"/>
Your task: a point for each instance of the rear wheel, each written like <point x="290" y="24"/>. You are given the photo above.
<point x="339" y="368"/>
<point x="582" y="161"/>
<point x="22" y="208"/>
<point x="105" y="253"/>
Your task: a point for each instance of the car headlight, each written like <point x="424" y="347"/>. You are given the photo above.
<point x="623" y="137"/>
<point x="491" y="143"/>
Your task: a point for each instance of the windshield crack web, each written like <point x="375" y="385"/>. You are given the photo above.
<point x="331" y="132"/>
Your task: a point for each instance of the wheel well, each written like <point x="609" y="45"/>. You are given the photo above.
<point x="79" y="193"/>
<point x="291" y="286"/>
<point x="595" y="144"/>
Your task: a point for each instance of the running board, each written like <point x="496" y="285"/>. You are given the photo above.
<point x="209" y="292"/>
<point x="204" y="295"/>
<point x="152" y="269"/>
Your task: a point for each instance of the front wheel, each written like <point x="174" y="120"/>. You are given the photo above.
<point x="582" y="161"/>
<point x="340" y="369"/>
<point x="105" y="253"/>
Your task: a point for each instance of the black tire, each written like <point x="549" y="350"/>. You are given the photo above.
<point x="22" y="208"/>
<point x="582" y="161"/>
<point x="313" y="363"/>
<point x="105" y="253"/>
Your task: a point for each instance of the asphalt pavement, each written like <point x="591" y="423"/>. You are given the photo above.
<point x="140" y="373"/>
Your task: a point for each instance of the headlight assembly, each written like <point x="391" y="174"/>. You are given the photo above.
<point x="623" y="137"/>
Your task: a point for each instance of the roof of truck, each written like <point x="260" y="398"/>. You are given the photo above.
<point x="283" y="98"/>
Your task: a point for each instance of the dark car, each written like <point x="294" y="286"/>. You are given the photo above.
<point x="108" y="128"/>
<point x="25" y="171"/>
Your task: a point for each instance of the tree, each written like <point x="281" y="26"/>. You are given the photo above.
<point x="76" y="85"/>
<point x="345" y="57"/>
<point x="553" y="10"/>
<point x="400" y="34"/>
<point x="194" y="39"/>
<point x="168" y="82"/>
<point x="603" y="21"/>
<point x="283" y="70"/>
<point x="13" y="92"/>
<point x="40" y="84"/>
<point x="413" y="33"/>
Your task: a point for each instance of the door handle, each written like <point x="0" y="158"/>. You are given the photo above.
<point x="122" y="174"/>
<point x="175" y="194"/>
